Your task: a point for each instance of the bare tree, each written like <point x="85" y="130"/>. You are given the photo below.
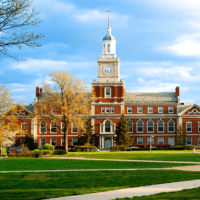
<point x="16" y="16"/>
<point x="69" y="96"/>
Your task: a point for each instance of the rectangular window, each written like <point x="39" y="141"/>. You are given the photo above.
<point x="140" y="140"/>
<point x="53" y="110"/>
<point x="129" y="109"/>
<point x="139" y="109"/>
<point x="160" y="109"/>
<point x="150" y="109"/>
<point x="62" y="142"/>
<point x="188" y="141"/>
<point x="171" y="141"/>
<point x="188" y="126"/>
<point x="101" y="128"/>
<point x="62" y="127"/>
<point x="171" y="109"/>
<point x="161" y="140"/>
<point x="102" y="109"/>
<point x="107" y="92"/>
<point x="199" y="141"/>
<point x="199" y="126"/>
<point x="112" y="109"/>
<point x="24" y="126"/>
<point x="42" y="141"/>
<point x="148" y="140"/>
<point x="113" y="128"/>
<point x="53" y="141"/>
<point x="107" y="109"/>
<point x="74" y="141"/>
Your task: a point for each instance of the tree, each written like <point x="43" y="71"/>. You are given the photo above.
<point x="16" y="16"/>
<point x="8" y="138"/>
<point x="87" y="137"/>
<point x="30" y="142"/>
<point x="122" y="132"/>
<point x="180" y="136"/>
<point x="69" y="96"/>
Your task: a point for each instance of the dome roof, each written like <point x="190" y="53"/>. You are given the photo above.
<point x="108" y="37"/>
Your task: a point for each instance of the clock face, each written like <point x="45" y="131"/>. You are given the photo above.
<point x="108" y="69"/>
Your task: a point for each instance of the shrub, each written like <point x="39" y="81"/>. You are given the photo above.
<point x="118" y="148"/>
<point x="4" y="150"/>
<point x="24" y="154"/>
<point x="85" y="148"/>
<point x="60" y="147"/>
<point x="44" y="152"/>
<point x="48" y="147"/>
<point x="59" y="152"/>
<point x="190" y="147"/>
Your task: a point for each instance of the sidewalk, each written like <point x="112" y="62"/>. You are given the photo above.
<point x="137" y="191"/>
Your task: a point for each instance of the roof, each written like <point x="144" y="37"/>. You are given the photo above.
<point x="147" y="98"/>
<point x="108" y="37"/>
<point x="30" y="107"/>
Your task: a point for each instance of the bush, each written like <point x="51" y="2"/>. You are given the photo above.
<point x="4" y="150"/>
<point x="183" y="147"/>
<point x="44" y="152"/>
<point x="59" y="152"/>
<point x="118" y="148"/>
<point x="60" y="147"/>
<point x="85" y="148"/>
<point x="48" y="147"/>
<point x="25" y="154"/>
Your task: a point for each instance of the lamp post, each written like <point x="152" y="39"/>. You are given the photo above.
<point x="41" y="141"/>
<point x="151" y="136"/>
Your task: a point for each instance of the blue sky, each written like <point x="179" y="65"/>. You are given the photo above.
<point x="158" y="43"/>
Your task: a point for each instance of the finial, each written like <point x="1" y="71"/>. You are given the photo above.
<point x="108" y="18"/>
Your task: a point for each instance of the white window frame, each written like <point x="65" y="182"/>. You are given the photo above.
<point x="148" y="127"/>
<point x="103" y="127"/>
<point x="102" y="109"/>
<point x="53" y="110"/>
<point x="73" y="129"/>
<point x="51" y="127"/>
<point x="112" y="109"/>
<point x="150" y="109"/>
<point x="173" y="126"/>
<point x="198" y="126"/>
<point x="199" y="141"/>
<point x="52" y="140"/>
<point x="62" y="125"/>
<point x="159" y="109"/>
<point x="43" y="127"/>
<point x="142" y="127"/>
<point x="187" y="127"/>
<point x="158" y="127"/>
<point x="24" y="123"/>
<point x="44" y="139"/>
<point x="129" y="111"/>
<point x="131" y="126"/>
<point x="140" y="142"/>
<point x="171" y="138"/>
<point x="107" y="110"/>
<point x="152" y="140"/>
<point x="138" y="110"/>
<point x="62" y="142"/>
<point x="107" y="96"/>
<point x="170" y="108"/>
<point x="187" y="141"/>
<point x="162" y="140"/>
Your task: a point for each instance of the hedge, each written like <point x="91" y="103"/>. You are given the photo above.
<point x="44" y="152"/>
<point x="118" y="148"/>
<point x="84" y="148"/>
<point x="24" y="154"/>
<point x="59" y="152"/>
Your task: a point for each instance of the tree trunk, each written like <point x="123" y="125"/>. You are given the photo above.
<point x="66" y="140"/>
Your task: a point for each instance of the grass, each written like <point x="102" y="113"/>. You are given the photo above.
<point x="184" y="155"/>
<point x="19" y="164"/>
<point x="49" y="185"/>
<point x="184" y="194"/>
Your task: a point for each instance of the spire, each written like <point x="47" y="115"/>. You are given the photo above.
<point x="109" y="29"/>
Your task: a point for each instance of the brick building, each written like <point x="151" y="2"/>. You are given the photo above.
<point x="155" y="116"/>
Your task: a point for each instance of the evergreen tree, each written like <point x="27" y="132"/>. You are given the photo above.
<point x="30" y="142"/>
<point x="122" y="132"/>
<point x="181" y="136"/>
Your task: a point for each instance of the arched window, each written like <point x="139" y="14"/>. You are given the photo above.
<point x="108" y="48"/>
<point x="104" y="48"/>
<point x="171" y="126"/>
<point x="150" y="126"/>
<point x="43" y="127"/>
<point x="130" y="124"/>
<point x="160" y="126"/>
<point x="139" y="126"/>
<point x="53" y="127"/>
<point x="107" y="126"/>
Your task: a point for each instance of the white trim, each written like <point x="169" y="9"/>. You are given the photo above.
<point x="102" y="110"/>
<point x="73" y="141"/>
<point x="107" y="110"/>
<point x="138" y="110"/>
<point x="158" y="126"/>
<point x="149" y="109"/>
<point x="170" y="108"/>
<point x="159" y="110"/>
<point x="142" y="126"/>
<point x="128" y="109"/>
<point x="62" y="139"/>
<point x="148" y="140"/>
<point x="54" y="127"/>
<point x="147" y="127"/>
<point x="41" y="141"/>
<point x="62" y="127"/>
<point x="112" y="109"/>
<point x="168" y="126"/>
<point x="107" y="96"/>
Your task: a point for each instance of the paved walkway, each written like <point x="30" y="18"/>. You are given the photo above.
<point x="137" y="191"/>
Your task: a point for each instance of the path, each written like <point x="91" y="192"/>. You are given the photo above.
<point x="137" y="191"/>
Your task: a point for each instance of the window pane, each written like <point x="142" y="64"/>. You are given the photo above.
<point x="107" y="126"/>
<point x="130" y="124"/>
<point x="160" y="109"/>
<point x="189" y="141"/>
<point x="107" y="91"/>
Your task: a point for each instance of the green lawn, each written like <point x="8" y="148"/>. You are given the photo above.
<point x="17" y="164"/>
<point x="23" y="186"/>
<point x="141" y="155"/>
<point x="184" y="194"/>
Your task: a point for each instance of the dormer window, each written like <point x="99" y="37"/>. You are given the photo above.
<point x="107" y="92"/>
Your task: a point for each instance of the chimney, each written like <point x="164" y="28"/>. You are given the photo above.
<point x="177" y="91"/>
<point x="38" y="91"/>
